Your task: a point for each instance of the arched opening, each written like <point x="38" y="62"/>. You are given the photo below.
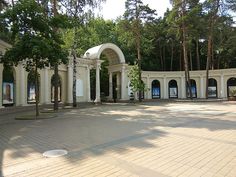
<point x="173" y="89"/>
<point x="31" y="87"/>
<point x="104" y="77"/>
<point x="156" y="89"/>
<point x="193" y="88"/>
<point x="53" y="83"/>
<point x="231" y="87"/>
<point x="8" y="87"/>
<point x="212" y="88"/>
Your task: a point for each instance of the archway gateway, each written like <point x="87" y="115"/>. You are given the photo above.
<point x="116" y="67"/>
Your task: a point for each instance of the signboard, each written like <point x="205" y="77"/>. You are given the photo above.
<point x="79" y="88"/>
<point x="8" y="97"/>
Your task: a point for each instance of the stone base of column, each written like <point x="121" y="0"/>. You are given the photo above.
<point x="97" y="100"/>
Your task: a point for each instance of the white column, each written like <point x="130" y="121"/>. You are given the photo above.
<point x="88" y="85"/>
<point x="1" y="73"/>
<point x="165" y="91"/>
<point x="183" y="88"/>
<point x="110" y="86"/>
<point x="46" y="96"/>
<point x="23" y="86"/>
<point x="98" y="97"/>
<point x="123" y="85"/>
<point x="69" y="84"/>
<point x="118" y="85"/>
<point x="222" y="90"/>
<point x="149" y="88"/>
<point x="202" y="87"/>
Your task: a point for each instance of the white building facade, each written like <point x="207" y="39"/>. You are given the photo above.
<point x="17" y="90"/>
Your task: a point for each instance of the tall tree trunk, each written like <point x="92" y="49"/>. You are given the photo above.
<point x="172" y="55"/>
<point x="55" y="65"/>
<point x="74" y="77"/>
<point x="186" y="65"/>
<point x="208" y="62"/>
<point x="197" y="55"/>
<point x="161" y="57"/>
<point x="210" y="39"/>
<point x="139" y="66"/>
<point x="164" y="58"/>
<point x="212" y="56"/>
<point x="180" y="59"/>
<point x="191" y="60"/>
<point x="55" y="106"/>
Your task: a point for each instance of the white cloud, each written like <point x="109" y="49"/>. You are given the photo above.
<point x="114" y="8"/>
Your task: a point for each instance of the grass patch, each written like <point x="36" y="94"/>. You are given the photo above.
<point x="33" y="116"/>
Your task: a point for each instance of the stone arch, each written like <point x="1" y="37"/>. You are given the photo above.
<point x="112" y="52"/>
<point x="116" y="67"/>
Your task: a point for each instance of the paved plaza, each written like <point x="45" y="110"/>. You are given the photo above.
<point x="157" y="139"/>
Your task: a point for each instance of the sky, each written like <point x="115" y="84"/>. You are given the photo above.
<point x="114" y="8"/>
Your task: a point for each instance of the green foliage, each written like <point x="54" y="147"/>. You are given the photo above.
<point x="35" y="41"/>
<point x="135" y="83"/>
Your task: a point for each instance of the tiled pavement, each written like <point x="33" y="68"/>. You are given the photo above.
<point x="151" y="139"/>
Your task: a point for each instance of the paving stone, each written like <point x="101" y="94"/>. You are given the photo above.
<point x="148" y="139"/>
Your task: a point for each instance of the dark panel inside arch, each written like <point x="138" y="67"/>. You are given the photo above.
<point x="31" y="88"/>
<point x="231" y="87"/>
<point x="8" y="87"/>
<point x="156" y="89"/>
<point x="53" y="83"/>
<point x="193" y="88"/>
<point x="212" y="88"/>
<point x="173" y="89"/>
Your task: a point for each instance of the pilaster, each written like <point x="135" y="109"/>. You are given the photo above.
<point x="1" y="70"/>
<point x="110" y="86"/>
<point x="222" y="87"/>
<point x="23" y="86"/>
<point x="183" y="87"/>
<point x="123" y="83"/>
<point x="118" y="85"/>
<point x="69" y="83"/>
<point x="165" y="91"/>
<point x="46" y="96"/>
<point x="88" y="84"/>
<point x="98" y="96"/>
<point x="202" y="87"/>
